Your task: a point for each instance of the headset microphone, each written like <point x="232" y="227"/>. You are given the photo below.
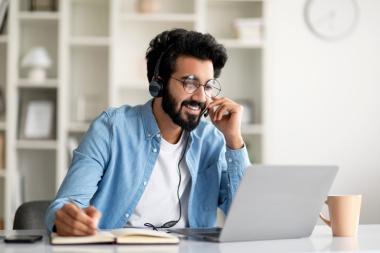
<point x="205" y="112"/>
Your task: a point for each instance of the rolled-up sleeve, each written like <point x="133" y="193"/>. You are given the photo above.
<point x="233" y="164"/>
<point x="90" y="160"/>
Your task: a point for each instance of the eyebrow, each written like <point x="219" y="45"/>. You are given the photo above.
<point x="192" y="77"/>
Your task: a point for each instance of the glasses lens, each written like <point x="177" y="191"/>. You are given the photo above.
<point x="212" y="88"/>
<point x="190" y="85"/>
<point x="169" y="224"/>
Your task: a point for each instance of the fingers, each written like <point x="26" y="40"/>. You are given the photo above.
<point x="76" y="213"/>
<point x="94" y="214"/>
<point x="220" y="112"/>
<point x="65" y="230"/>
<point x="72" y="220"/>
<point x="221" y="107"/>
<point x="66" y="222"/>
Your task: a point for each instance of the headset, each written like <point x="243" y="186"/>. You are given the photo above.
<point x="156" y="85"/>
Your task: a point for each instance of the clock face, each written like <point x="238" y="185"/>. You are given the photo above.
<point x="331" y="19"/>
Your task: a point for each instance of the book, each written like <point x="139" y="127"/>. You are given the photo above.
<point x="118" y="236"/>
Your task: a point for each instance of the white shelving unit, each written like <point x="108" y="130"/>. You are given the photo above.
<point x="37" y="144"/>
<point x="4" y="79"/>
<point x="98" y="52"/>
<point x="90" y="41"/>
<point x="32" y="165"/>
<point x="49" y="83"/>
<point x="38" y="16"/>
<point x="158" y="17"/>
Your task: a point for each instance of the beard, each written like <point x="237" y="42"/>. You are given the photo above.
<point x="186" y="121"/>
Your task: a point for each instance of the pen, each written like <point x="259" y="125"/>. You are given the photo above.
<point x="72" y="201"/>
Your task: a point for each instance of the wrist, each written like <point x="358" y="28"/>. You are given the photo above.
<point x="235" y="142"/>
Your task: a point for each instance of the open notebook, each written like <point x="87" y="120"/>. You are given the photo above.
<point x="118" y="236"/>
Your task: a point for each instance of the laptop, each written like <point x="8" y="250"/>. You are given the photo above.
<point x="272" y="202"/>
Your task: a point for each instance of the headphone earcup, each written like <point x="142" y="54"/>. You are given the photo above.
<point x="155" y="88"/>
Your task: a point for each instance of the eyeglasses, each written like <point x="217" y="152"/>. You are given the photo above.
<point x="191" y="85"/>
<point x="168" y="224"/>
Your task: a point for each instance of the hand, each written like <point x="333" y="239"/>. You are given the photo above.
<point x="71" y="220"/>
<point x="226" y="115"/>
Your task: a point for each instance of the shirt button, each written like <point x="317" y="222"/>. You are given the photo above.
<point x="126" y="215"/>
<point x="155" y="150"/>
<point x="230" y="160"/>
<point x="144" y="183"/>
<point x="158" y="135"/>
<point x="149" y="135"/>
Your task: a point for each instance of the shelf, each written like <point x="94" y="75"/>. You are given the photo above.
<point x="38" y="16"/>
<point x="37" y="144"/>
<point x="3" y="125"/>
<point x="90" y="41"/>
<point x="49" y="83"/>
<point x="78" y="127"/>
<point x="236" y="43"/>
<point x="159" y="17"/>
<point x="3" y="39"/>
<point x="252" y="129"/>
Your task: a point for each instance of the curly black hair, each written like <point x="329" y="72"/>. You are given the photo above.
<point x="171" y="44"/>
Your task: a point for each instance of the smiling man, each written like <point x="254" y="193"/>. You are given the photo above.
<point x="159" y="164"/>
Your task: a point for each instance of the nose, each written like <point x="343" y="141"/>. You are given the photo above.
<point x="200" y="94"/>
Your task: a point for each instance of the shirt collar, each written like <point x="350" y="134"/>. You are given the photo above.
<point x="149" y="121"/>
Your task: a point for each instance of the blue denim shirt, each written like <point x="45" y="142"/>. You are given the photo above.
<point x="115" y="159"/>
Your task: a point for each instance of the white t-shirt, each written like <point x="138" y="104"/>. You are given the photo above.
<point x="159" y="202"/>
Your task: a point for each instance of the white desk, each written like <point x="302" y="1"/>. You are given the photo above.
<point x="368" y="240"/>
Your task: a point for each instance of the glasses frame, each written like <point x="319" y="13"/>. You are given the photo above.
<point x="199" y="85"/>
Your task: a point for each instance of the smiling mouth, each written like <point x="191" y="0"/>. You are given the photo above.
<point x="192" y="109"/>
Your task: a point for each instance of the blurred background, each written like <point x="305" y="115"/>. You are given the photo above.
<point x="306" y="71"/>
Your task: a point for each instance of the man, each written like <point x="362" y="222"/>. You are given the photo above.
<point x="159" y="165"/>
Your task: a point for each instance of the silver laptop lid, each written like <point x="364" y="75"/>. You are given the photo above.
<point x="277" y="202"/>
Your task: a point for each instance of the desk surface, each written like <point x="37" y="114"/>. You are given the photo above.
<point x="368" y="239"/>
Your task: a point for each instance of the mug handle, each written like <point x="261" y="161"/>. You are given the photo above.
<point x="325" y="220"/>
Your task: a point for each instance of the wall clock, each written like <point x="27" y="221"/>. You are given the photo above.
<point x="331" y="19"/>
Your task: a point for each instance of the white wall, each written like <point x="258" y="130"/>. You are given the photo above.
<point x="322" y="99"/>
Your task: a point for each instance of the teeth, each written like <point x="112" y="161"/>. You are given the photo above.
<point x="193" y="107"/>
